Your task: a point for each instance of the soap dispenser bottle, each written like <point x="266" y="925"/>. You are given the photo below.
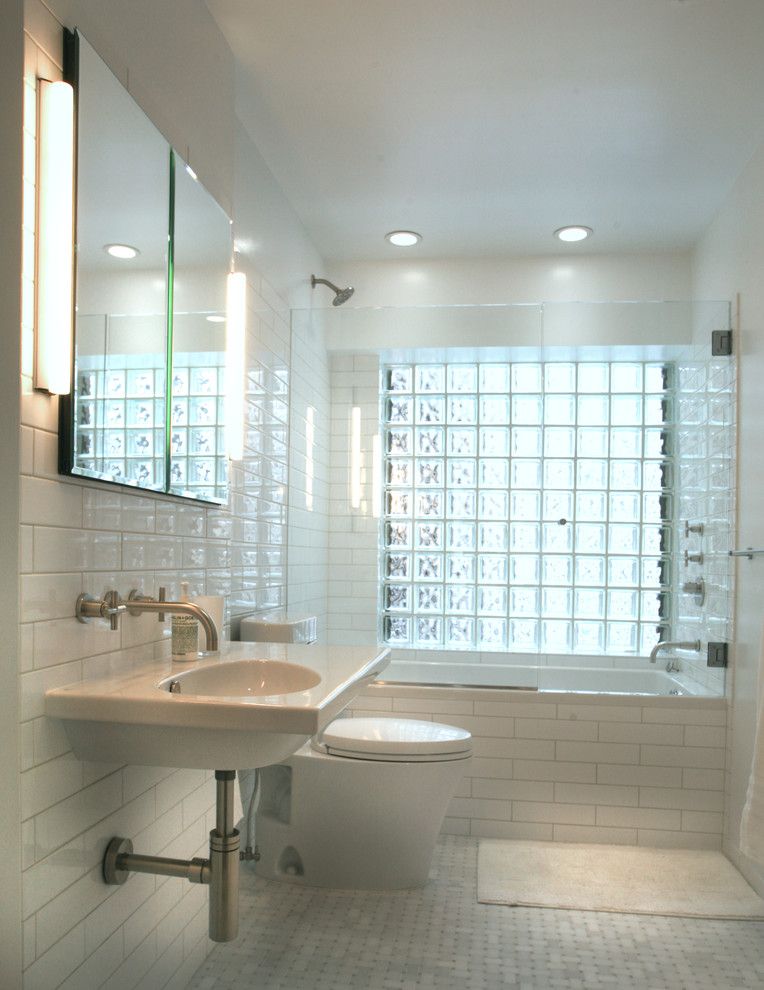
<point x="185" y="630"/>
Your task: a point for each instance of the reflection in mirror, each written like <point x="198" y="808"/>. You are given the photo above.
<point x="120" y="359"/>
<point x="201" y="261"/>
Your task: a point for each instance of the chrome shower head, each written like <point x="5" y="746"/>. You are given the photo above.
<point x="340" y="295"/>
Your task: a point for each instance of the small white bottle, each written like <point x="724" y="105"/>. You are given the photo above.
<point x="185" y="631"/>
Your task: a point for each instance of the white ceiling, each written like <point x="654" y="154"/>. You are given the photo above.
<point x="486" y="124"/>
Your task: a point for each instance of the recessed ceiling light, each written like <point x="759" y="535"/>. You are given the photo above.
<point x="215" y="318"/>
<point x="403" y="238"/>
<point x="576" y="233"/>
<point x="123" y="251"/>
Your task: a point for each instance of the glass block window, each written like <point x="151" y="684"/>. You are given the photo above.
<point x="527" y="506"/>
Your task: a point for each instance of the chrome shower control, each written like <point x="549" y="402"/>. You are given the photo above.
<point x="697" y="589"/>
<point x="692" y="528"/>
<point x="692" y="558"/>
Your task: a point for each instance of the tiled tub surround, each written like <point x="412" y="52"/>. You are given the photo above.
<point x="578" y="767"/>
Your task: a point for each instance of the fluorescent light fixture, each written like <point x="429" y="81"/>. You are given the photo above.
<point x="575" y="233"/>
<point x="355" y="457"/>
<point x="310" y="441"/>
<point x="376" y="476"/>
<point x="403" y="238"/>
<point x="125" y="252"/>
<point x="55" y="238"/>
<point x="236" y="320"/>
<point x="215" y="318"/>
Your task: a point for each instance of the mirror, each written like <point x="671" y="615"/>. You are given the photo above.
<point x="153" y="250"/>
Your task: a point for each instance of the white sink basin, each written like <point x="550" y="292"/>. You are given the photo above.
<point x="232" y="712"/>
<point x="243" y="679"/>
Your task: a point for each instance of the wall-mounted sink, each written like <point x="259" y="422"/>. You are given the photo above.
<point x="250" y="707"/>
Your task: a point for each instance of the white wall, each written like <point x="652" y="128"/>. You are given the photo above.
<point x="730" y="259"/>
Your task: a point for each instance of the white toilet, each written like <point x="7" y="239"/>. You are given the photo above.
<point x="360" y="806"/>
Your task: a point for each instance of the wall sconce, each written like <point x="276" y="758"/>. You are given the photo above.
<point x="236" y="323"/>
<point x="55" y="238"/>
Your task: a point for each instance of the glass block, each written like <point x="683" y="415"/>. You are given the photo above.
<point x="429" y="631"/>
<point x="400" y="410"/>
<point x="653" y="476"/>
<point x="429" y="598"/>
<point x="399" y="442"/>
<point x="397" y="629"/>
<point x="398" y="503"/>
<point x="524" y="601"/>
<point x="460" y="567"/>
<point x="492" y="601"/>
<point x="654" y="378"/>
<point x="399" y="379"/>
<point x="398" y="565"/>
<point x="430" y="410"/>
<point x="556" y="602"/>
<point x="655" y="443"/>
<point x="462" y="474"/>
<point x="559" y="409"/>
<point x="462" y="505"/>
<point x="624" y="507"/>
<point x="398" y="597"/>
<point x="493" y="505"/>
<point x="525" y="505"/>
<point x="429" y="535"/>
<point x="558" y="505"/>
<point x="494" y="409"/>
<point x="623" y="571"/>
<point x="591" y="473"/>
<point x="398" y="534"/>
<point x="590" y="538"/>
<point x="460" y="631"/>
<point x="558" y="473"/>
<point x="588" y="637"/>
<point x="430" y="441"/>
<point x="462" y="410"/>
<point x="492" y="633"/>
<point x="625" y="474"/>
<point x="523" y="635"/>
<point x="399" y="472"/>
<point x="524" y="537"/>
<point x="626" y="410"/>
<point x="430" y="473"/>
<point x="590" y="506"/>
<point x="556" y="538"/>
<point x="462" y="378"/>
<point x="590" y="570"/>
<point x="460" y="598"/>
<point x="655" y="411"/>
<point x="492" y="568"/>
<point x="494" y="473"/>
<point x="649" y="606"/>
<point x="625" y="442"/>
<point x="461" y="536"/>
<point x="492" y="536"/>
<point x="651" y="572"/>
<point x="651" y="540"/>
<point x="559" y="441"/>
<point x="623" y="538"/>
<point x="625" y="377"/>
<point x="622" y="637"/>
<point x="590" y="603"/>
<point x="524" y="569"/>
<point x="429" y="567"/>
<point x="592" y="442"/>
<point x="462" y="442"/>
<point x="494" y="377"/>
<point x="526" y="473"/>
<point x="429" y="505"/>
<point x="557" y="569"/>
<point x="556" y="635"/>
<point x="526" y="377"/>
<point x="430" y="378"/>
<point x="593" y="410"/>
<point x="494" y="441"/>
<point x="648" y="637"/>
<point x="526" y="441"/>
<point x="527" y="410"/>
<point x="622" y="605"/>
<point x="559" y="377"/>
<point x="593" y="377"/>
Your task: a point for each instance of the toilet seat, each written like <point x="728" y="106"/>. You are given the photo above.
<point x="394" y="740"/>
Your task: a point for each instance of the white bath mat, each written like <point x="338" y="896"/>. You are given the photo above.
<point x="625" y="879"/>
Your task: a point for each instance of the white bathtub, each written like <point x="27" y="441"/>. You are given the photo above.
<point x="637" y="680"/>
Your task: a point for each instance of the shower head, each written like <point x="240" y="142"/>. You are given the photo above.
<point x="340" y="295"/>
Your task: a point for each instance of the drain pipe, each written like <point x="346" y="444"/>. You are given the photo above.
<point x="220" y="871"/>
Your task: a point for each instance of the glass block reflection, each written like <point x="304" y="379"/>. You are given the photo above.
<point x="527" y="505"/>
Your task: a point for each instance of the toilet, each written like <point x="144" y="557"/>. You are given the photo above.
<point x="361" y="805"/>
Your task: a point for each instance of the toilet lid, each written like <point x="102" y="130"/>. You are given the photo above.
<point x="403" y="739"/>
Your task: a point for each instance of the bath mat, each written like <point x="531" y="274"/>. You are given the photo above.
<point x="685" y="883"/>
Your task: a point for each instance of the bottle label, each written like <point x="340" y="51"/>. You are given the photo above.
<point x="185" y="635"/>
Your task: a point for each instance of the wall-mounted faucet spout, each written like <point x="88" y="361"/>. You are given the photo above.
<point x="694" y="646"/>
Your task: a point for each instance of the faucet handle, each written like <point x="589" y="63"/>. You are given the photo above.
<point x="692" y="528"/>
<point x="112" y="608"/>
<point x="162" y="597"/>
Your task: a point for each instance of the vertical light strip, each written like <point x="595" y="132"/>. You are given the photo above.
<point x="310" y="439"/>
<point x="55" y="238"/>
<point x="355" y="458"/>
<point x="376" y="476"/>
<point x="236" y="321"/>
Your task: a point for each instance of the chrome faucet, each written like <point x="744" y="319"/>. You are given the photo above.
<point x="694" y="646"/>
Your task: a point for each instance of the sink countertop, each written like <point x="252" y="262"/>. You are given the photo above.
<point x="136" y="698"/>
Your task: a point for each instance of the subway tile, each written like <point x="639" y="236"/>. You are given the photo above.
<point x="704" y="735"/>
<point x="49" y="503"/>
<point x="535" y="709"/>
<point x="114" y="911"/>
<point x="596" y="834"/>
<point x="600" y="713"/>
<point x="513" y="790"/>
<point x="678" y="840"/>
<point x="98" y="966"/>
<point x="655" y="818"/>
<point x="67" y="909"/>
<point x="45" y="785"/>
<point x="712" y="780"/>
<point x="50" y="969"/>
<point x="539" y="831"/>
<point x="48" y="596"/>
<point x="585" y="773"/>
<point x="479" y="808"/>
<point x="521" y="749"/>
<point x="640" y="732"/>
<point x="567" y="814"/>
<point x="77" y="813"/>
<point x="638" y="775"/>
<point x="597" y="752"/>
<point x="702" y="821"/>
<point x="686" y="715"/>
<point x="685" y="799"/>
<point x="537" y="728"/>
<point x="596" y="794"/>
<point x="683" y="756"/>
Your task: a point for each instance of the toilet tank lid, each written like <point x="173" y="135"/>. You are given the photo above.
<point x="395" y="736"/>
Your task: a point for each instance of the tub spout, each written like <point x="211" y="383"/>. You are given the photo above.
<point x="694" y="646"/>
